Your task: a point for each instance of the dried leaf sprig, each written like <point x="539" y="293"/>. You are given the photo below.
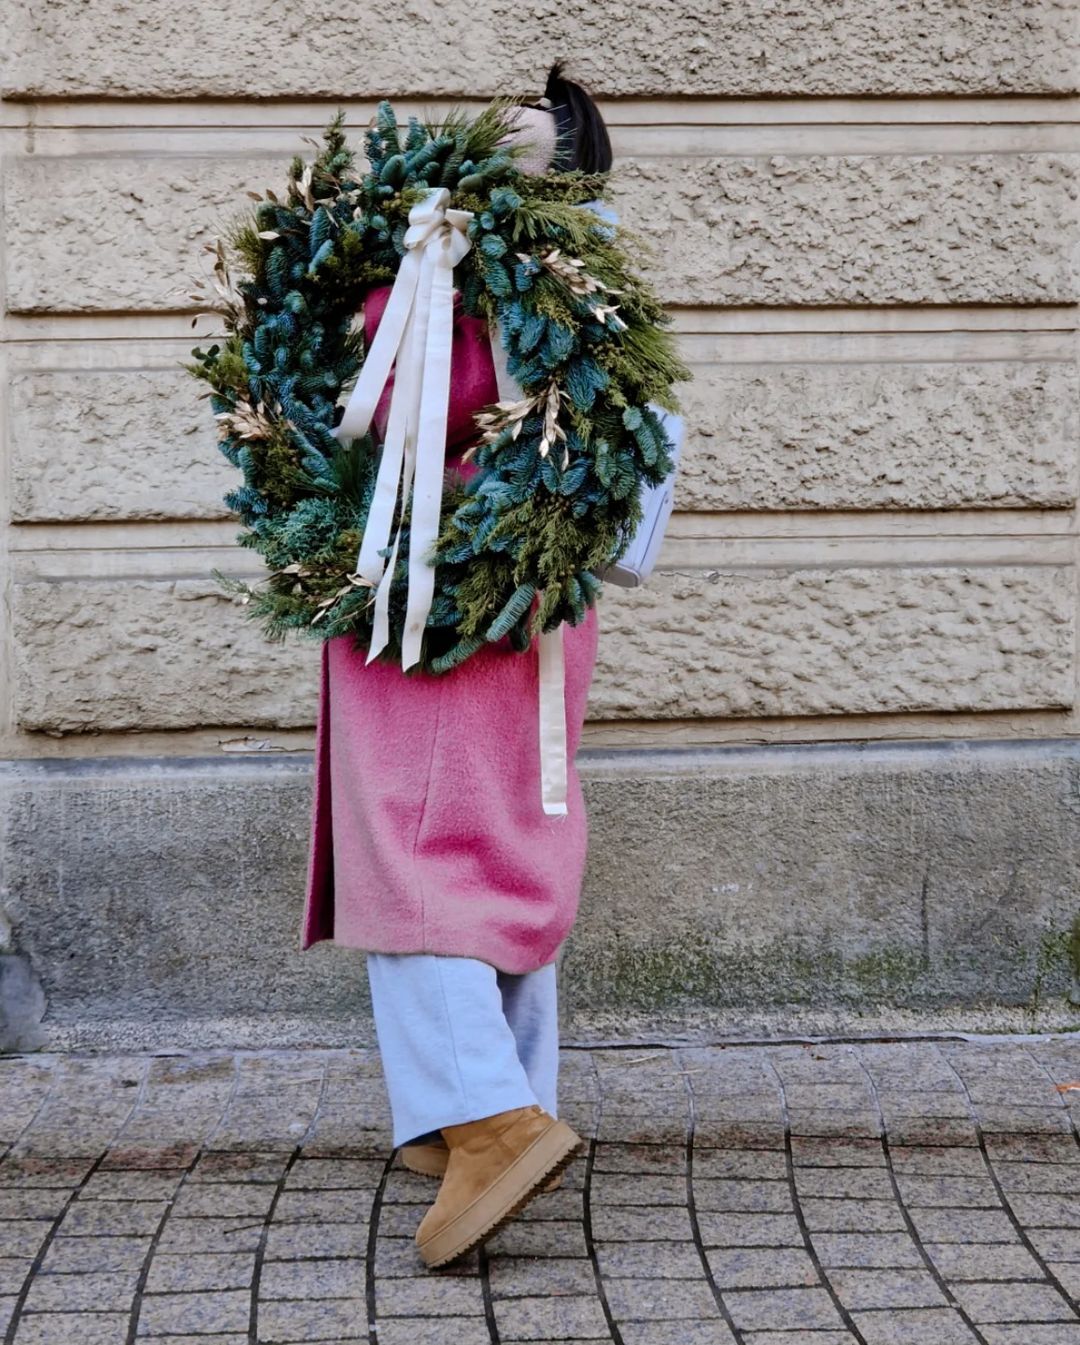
<point x="507" y="414"/>
<point x="571" y="271"/>
<point x="246" y="421"/>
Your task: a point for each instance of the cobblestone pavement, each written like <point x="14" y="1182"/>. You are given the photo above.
<point x="917" y="1193"/>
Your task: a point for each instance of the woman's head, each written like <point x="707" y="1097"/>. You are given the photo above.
<point x="564" y="130"/>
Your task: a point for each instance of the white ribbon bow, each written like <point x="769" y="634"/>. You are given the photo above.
<point x="416" y="331"/>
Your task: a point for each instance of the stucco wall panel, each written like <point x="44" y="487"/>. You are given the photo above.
<point x="154" y="654"/>
<point x="659" y="47"/>
<point x="823" y="230"/>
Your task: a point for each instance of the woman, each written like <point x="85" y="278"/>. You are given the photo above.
<point x="430" y="849"/>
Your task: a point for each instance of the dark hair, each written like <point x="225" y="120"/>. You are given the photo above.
<point x="582" y="136"/>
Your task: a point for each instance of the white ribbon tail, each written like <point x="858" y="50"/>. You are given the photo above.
<point x="434" y="399"/>
<point x="552" y="722"/>
<point x="552" y="688"/>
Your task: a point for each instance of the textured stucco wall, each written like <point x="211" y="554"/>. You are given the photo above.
<point x="865" y="217"/>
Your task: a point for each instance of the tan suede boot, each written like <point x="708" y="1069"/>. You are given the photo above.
<point x="495" y="1167"/>
<point x="429" y="1160"/>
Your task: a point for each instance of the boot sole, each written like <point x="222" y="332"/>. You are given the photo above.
<point x="546" y="1157"/>
<point x="427" y="1161"/>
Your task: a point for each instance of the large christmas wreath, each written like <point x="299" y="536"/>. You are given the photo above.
<point x="556" y="498"/>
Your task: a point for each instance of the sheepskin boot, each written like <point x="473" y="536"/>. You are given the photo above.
<point x="429" y="1160"/>
<point x="495" y="1167"/>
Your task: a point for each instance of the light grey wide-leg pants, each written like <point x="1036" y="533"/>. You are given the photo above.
<point x="460" y="1040"/>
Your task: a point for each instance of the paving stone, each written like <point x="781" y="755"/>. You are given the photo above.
<point x="218" y="1310"/>
<point x="238" y="1167"/>
<point x="540" y="1239"/>
<point x="337" y="1319"/>
<point x="323" y="1173"/>
<point x="735" y="1134"/>
<point x="799" y="1338"/>
<point x="643" y="1260"/>
<point x="100" y="1254"/>
<point x="917" y="1326"/>
<point x="38" y="1203"/>
<point x="760" y="1267"/>
<point x="326" y="1277"/>
<point x="833" y="1124"/>
<point x="660" y="1300"/>
<point x="871" y="1216"/>
<point x="396" y="1256"/>
<point x="752" y="1164"/>
<point x="23" y="1237"/>
<point x="171" y="1272"/>
<point x="14" y="1269"/>
<point x="223" y="1200"/>
<point x="286" y="1242"/>
<point x="935" y="1161"/>
<point x="743" y="1196"/>
<point x="1014" y="1120"/>
<point x="112" y="1217"/>
<point x="809" y="1151"/>
<point x="426" y="1331"/>
<point x="869" y="1250"/>
<point x="782" y="1310"/>
<point x="551" y="1319"/>
<point x="1063" y="1333"/>
<point x="621" y="1223"/>
<point x="1032" y="1149"/>
<point x="1013" y="1303"/>
<point x="638" y="1189"/>
<point x="861" y="1290"/>
<point x="983" y="1261"/>
<point x="73" y="1328"/>
<point x="1047" y="1211"/>
<point x="141" y="1185"/>
<point x="642" y="1158"/>
<point x="749" y="1230"/>
<point x="933" y="1131"/>
<point x="210" y="1235"/>
<point x="947" y="1192"/>
<point x="92" y="1292"/>
<point x="39" y="1171"/>
<point x="229" y="1338"/>
<point x="125" y="1155"/>
<point x="1027" y="1178"/>
<point x="427" y="1295"/>
<point x="942" y="1225"/>
<point x="524" y="1276"/>
<point x="715" y="1332"/>
<point x="640" y="1130"/>
<point x="1067" y="1275"/>
<point x="1056" y="1244"/>
<point x="864" y="1183"/>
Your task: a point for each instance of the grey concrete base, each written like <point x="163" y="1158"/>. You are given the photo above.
<point x="833" y="889"/>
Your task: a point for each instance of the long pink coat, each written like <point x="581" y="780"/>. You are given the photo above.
<point x="427" y="831"/>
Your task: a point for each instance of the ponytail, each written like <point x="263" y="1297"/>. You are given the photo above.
<point x="583" y="141"/>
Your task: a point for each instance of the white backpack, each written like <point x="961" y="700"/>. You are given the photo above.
<point x="637" y="563"/>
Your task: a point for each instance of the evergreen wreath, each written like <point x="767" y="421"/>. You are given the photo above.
<point x="556" y="496"/>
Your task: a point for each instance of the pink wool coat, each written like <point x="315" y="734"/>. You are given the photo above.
<point x="427" y="830"/>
